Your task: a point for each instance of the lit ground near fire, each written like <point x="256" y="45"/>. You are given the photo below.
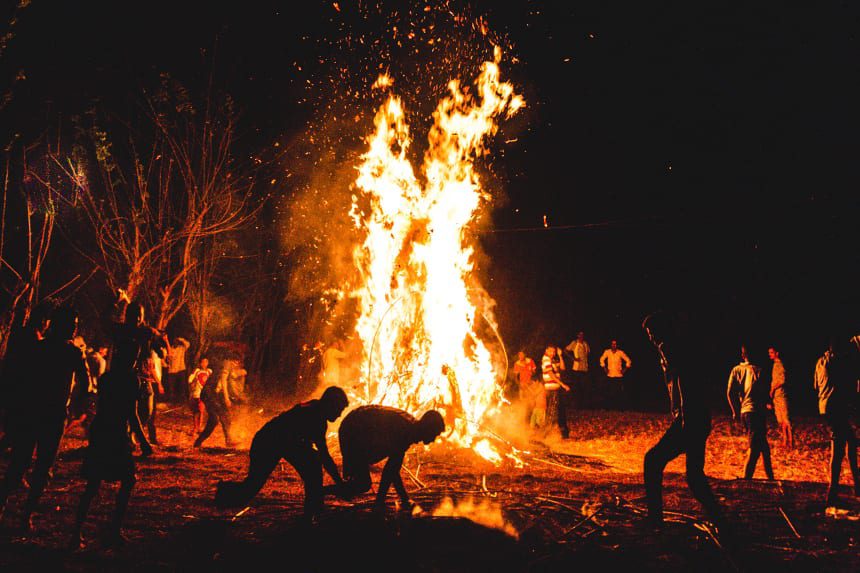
<point x="574" y="503"/>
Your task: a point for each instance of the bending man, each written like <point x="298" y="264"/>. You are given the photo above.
<point x="370" y="434"/>
<point x="297" y="436"/>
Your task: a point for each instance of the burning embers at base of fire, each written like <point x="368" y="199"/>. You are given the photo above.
<point x="483" y="512"/>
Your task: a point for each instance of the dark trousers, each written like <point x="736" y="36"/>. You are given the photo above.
<point x="756" y="427"/>
<point x="843" y="440"/>
<point x="678" y="440"/>
<point x="146" y="410"/>
<point x="217" y="412"/>
<point x="177" y="386"/>
<point x="580" y="386"/>
<point x="565" y="399"/>
<point x="42" y="435"/>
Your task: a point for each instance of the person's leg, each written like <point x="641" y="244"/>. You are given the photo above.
<point x="46" y="453"/>
<point x="695" y="442"/>
<point x="263" y="459"/>
<point x="23" y="444"/>
<point x="764" y="447"/>
<point x="309" y="468"/>
<point x="211" y="424"/>
<point x="226" y="420"/>
<point x="665" y="450"/>
<point x="563" y="402"/>
<point x="754" y="443"/>
<point x="837" y="454"/>
<point x="114" y="533"/>
<point x="851" y="445"/>
<point x="90" y="493"/>
<point x="150" y="423"/>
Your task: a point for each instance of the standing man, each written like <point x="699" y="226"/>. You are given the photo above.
<point x="177" y="370"/>
<point x="835" y="375"/>
<point x="779" y="398"/>
<point x="216" y="399"/>
<point x="370" y="434"/>
<point x="552" y="364"/>
<point x="615" y="364"/>
<point x="39" y="419"/>
<point x="691" y="420"/>
<point x="746" y="383"/>
<point x="580" y="381"/>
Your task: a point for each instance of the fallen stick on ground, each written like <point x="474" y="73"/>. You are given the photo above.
<point x="556" y="464"/>
<point x="587" y="518"/>
<point x="414" y="478"/>
<point x="788" y="521"/>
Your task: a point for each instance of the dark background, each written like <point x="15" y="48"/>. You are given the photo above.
<point x="685" y="156"/>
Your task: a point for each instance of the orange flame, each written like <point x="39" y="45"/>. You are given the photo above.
<point x="419" y="301"/>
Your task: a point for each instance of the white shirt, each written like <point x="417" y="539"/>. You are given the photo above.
<point x="580" y="352"/>
<point x="612" y="362"/>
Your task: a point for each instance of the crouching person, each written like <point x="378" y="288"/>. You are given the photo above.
<point x="370" y="434"/>
<point x="297" y="436"/>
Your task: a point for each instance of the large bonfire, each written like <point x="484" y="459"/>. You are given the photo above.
<point x="421" y="307"/>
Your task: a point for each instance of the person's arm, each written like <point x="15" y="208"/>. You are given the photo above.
<point x="82" y="377"/>
<point x="603" y="360"/>
<point x="729" y="394"/>
<point x="225" y="388"/>
<point x="626" y="360"/>
<point x="183" y="342"/>
<point x="325" y="457"/>
<point x="561" y="365"/>
<point x="391" y="476"/>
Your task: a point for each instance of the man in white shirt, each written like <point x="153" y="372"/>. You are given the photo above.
<point x="746" y="386"/>
<point x="615" y="364"/>
<point x="579" y="379"/>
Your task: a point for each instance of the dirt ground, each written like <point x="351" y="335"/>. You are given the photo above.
<point x="574" y="502"/>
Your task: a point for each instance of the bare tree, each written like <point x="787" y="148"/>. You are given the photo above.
<point x="152" y="202"/>
<point x="32" y="216"/>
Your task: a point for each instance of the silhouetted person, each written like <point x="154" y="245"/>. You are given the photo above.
<point x="297" y="436"/>
<point x="835" y="376"/>
<point x="109" y="454"/>
<point x="370" y="434"/>
<point x="691" y="421"/>
<point x="40" y="418"/>
<point x="216" y="399"/>
<point x="746" y="383"/>
<point x="16" y="372"/>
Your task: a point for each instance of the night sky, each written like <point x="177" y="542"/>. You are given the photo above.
<point x="689" y="156"/>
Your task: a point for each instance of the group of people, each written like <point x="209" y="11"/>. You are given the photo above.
<point x="367" y="435"/>
<point x="47" y="349"/>
<point x="52" y="381"/>
<point x="550" y="393"/>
